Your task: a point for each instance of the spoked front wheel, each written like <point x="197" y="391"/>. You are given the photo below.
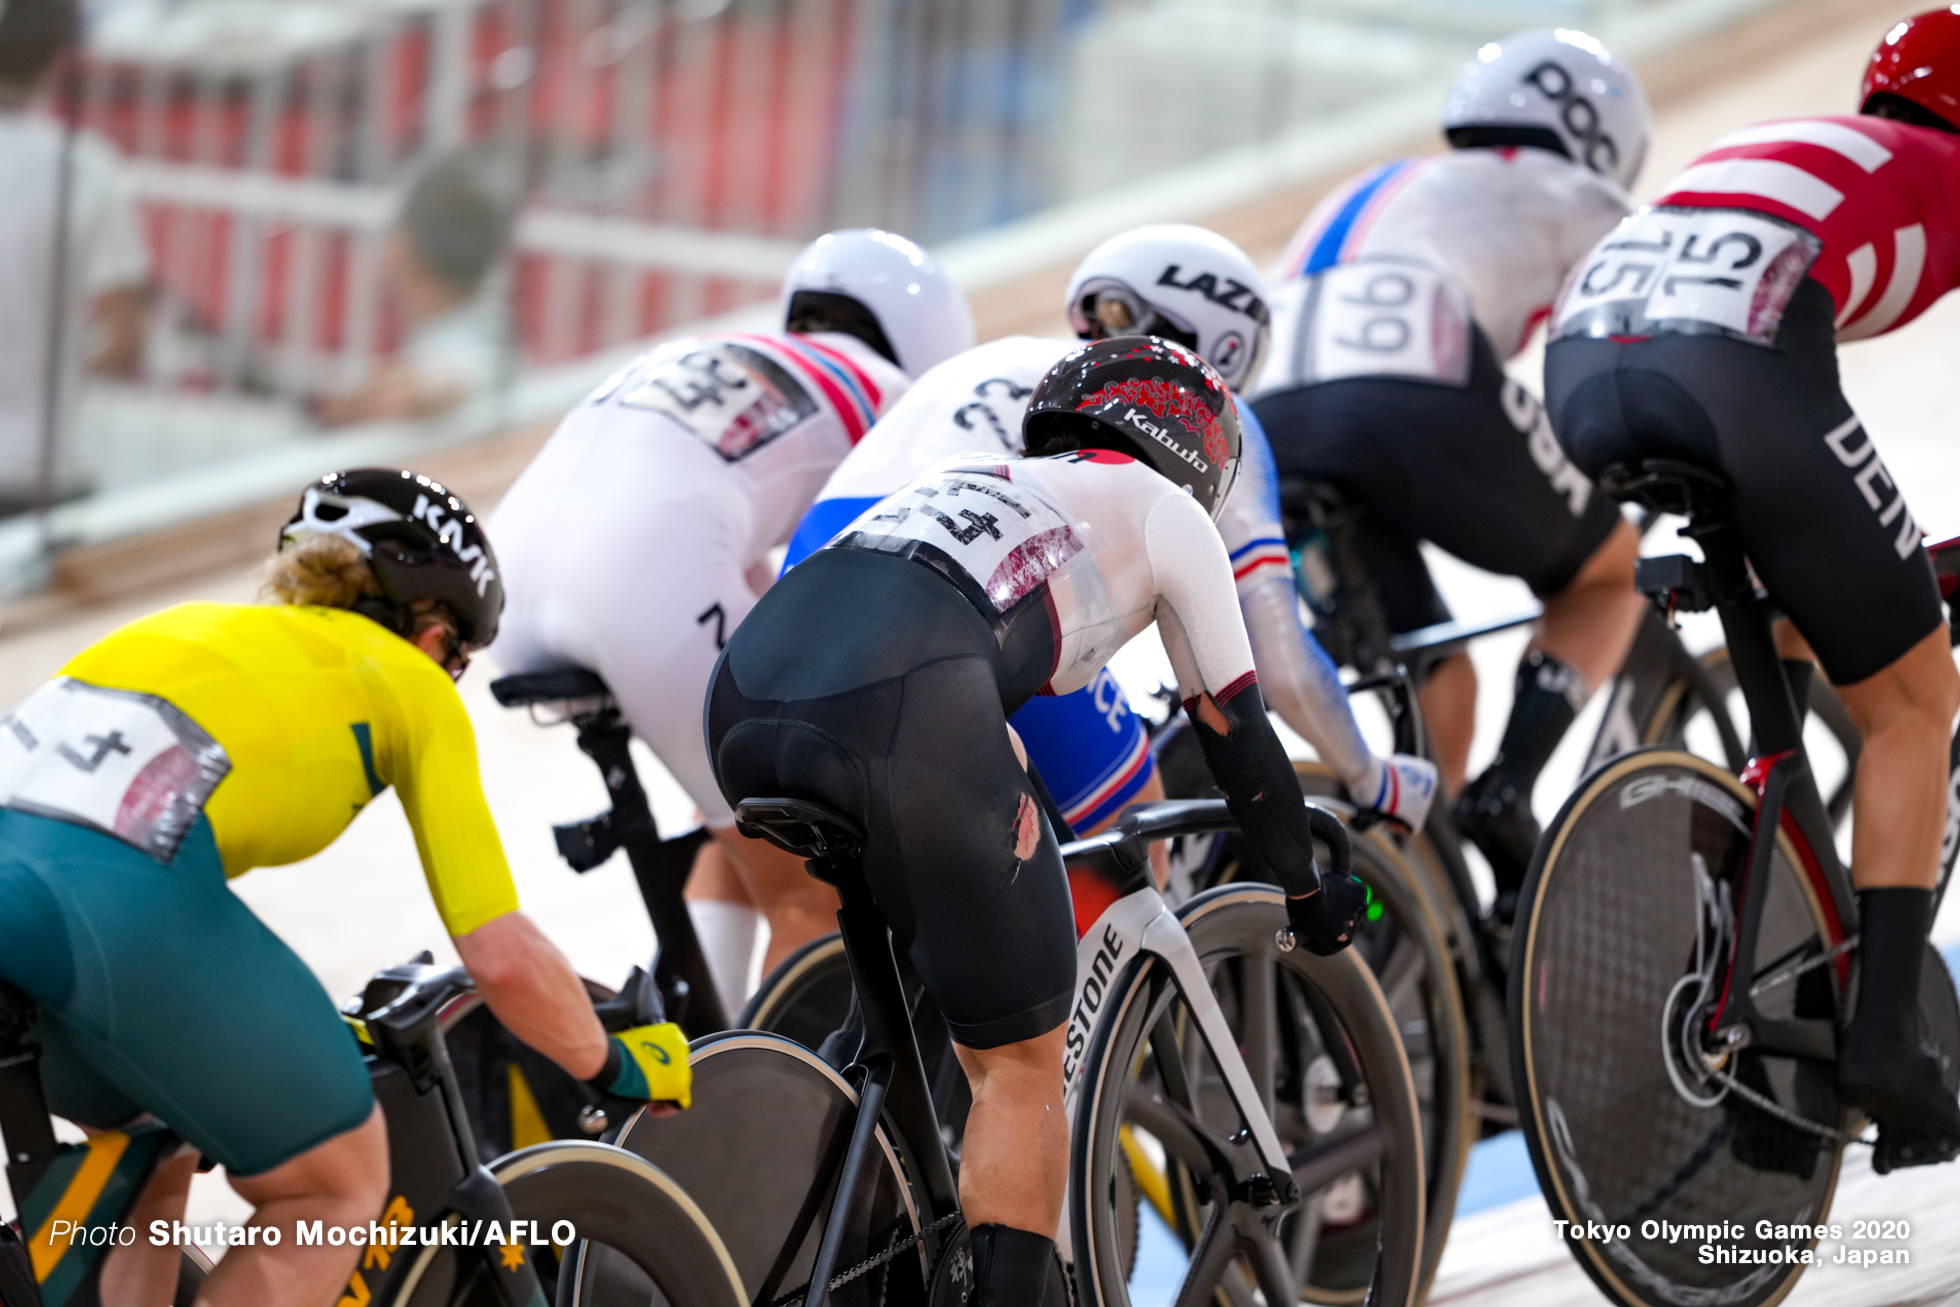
<point x="1633" y="1115"/>
<point x="1319" y="1040"/>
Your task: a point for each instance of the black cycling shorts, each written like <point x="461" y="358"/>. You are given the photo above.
<point x="1827" y="531"/>
<point x="1449" y="464"/>
<point x="869" y="683"/>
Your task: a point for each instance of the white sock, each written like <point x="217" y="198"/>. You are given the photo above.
<point x="727" y="935"/>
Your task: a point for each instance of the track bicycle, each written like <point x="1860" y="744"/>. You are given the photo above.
<point x="1161" y="1070"/>
<point x="638" y="1238"/>
<point x="1406" y="944"/>
<point x="1662" y="694"/>
<point x="660" y="865"/>
<point x="515" y="1096"/>
<point x="1686" y="949"/>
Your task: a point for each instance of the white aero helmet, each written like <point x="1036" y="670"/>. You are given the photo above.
<point x="1182" y="283"/>
<point x="1557" y="81"/>
<point x="883" y="289"/>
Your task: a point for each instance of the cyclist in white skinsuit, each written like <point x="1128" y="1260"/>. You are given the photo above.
<point x="1194" y="286"/>
<point x="638" y="538"/>
<point x="877" y="677"/>
<point x="1407" y="287"/>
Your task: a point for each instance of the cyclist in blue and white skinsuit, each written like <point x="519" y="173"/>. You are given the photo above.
<point x="638" y="538"/>
<point x="1195" y="287"/>
<point x="1406" y="290"/>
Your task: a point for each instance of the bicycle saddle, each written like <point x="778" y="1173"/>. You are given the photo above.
<point x="1667" y="485"/>
<point x="800" y="826"/>
<point x="562" y="683"/>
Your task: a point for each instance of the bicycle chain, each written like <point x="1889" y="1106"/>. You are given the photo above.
<point x="1763" y="1102"/>
<point x="1796" y="969"/>
<point x="869" y="1264"/>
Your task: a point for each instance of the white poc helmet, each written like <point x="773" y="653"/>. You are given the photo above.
<point x="1179" y="282"/>
<point x="1558" y="81"/>
<point x="917" y="316"/>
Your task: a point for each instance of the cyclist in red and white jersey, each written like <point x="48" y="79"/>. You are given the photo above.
<point x="1704" y="329"/>
<point x="638" y="538"/>
<point x="1410" y="287"/>
<point x="877" y="677"/>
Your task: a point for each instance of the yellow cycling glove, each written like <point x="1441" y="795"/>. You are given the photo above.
<point x="648" y="1063"/>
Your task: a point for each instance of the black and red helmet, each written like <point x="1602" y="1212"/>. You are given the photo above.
<point x="419" y="539"/>
<point x="1146" y="397"/>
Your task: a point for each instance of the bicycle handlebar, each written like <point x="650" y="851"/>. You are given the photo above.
<point x="1127" y="843"/>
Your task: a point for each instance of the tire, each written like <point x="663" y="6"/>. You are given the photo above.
<point x="759" y="1151"/>
<point x="643" y="1240"/>
<point x="1829" y="737"/>
<point x="1407" y="947"/>
<point x="1378" y="1255"/>
<point x="806" y="996"/>
<point x="1630" y="885"/>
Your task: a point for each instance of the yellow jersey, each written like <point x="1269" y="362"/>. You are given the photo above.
<point x="319" y="710"/>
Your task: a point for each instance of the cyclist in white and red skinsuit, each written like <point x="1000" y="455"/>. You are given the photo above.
<point x="878" y="675"/>
<point x="1704" y="329"/>
<point x="1409" y="288"/>
<point x="1088" y="746"/>
<point x="638" y="538"/>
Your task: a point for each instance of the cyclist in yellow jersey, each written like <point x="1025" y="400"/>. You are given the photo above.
<point x="196" y="744"/>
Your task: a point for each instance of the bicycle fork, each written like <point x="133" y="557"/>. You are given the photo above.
<point x="1259" y="1173"/>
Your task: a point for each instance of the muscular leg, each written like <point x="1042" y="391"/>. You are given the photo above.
<point x="340" y="1182"/>
<point x="1449" y="711"/>
<point x="1905" y="715"/>
<point x="1014" y="1162"/>
<point x="1589" y="625"/>
<point x="797" y="905"/>
<point x="1581" y="640"/>
<point x="140" y="1274"/>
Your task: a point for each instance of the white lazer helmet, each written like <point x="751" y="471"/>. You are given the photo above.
<point x="1182" y="283"/>
<point x="1554" y="82"/>
<point x="883" y="289"/>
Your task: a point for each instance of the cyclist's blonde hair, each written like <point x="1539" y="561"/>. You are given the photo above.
<point x="322" y="570"/>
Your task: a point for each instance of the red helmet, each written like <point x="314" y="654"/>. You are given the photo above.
<point x="1919" y="62"/>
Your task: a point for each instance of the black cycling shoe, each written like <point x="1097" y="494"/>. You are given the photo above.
<point x="1495" y="815"/>
<point x="1902" y="1089"/>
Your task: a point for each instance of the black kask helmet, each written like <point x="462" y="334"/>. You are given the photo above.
<point x="1146" y="397"/>
<point x="419" y="539"/>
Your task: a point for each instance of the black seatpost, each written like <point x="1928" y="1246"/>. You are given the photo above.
<point x="1746" y="618"/>
<point x="894" y="1077"/>
<point x="660" y="869"/>
<point x="1767" y="689"/>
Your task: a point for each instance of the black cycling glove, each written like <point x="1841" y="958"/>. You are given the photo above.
<point x="1251" y="767"/>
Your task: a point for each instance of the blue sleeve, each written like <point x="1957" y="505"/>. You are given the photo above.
<point x="824" y="520"/>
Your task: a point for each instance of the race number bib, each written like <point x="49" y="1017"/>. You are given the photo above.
<point x="1379" y="319"/>
<point x="130" y="765"/>
<point x="735" y="399"/>
<point x="998" y="541"/>
<point x="1674" y="271"/>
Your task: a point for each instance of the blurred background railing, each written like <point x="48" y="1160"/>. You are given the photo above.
<point x="371" y="228"/>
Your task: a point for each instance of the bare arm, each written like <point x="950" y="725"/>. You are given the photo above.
<point x="121" y="320"/>
<point x="533" y="990"/>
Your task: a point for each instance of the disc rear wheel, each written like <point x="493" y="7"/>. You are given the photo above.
<point x="1631" y="1111"/>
